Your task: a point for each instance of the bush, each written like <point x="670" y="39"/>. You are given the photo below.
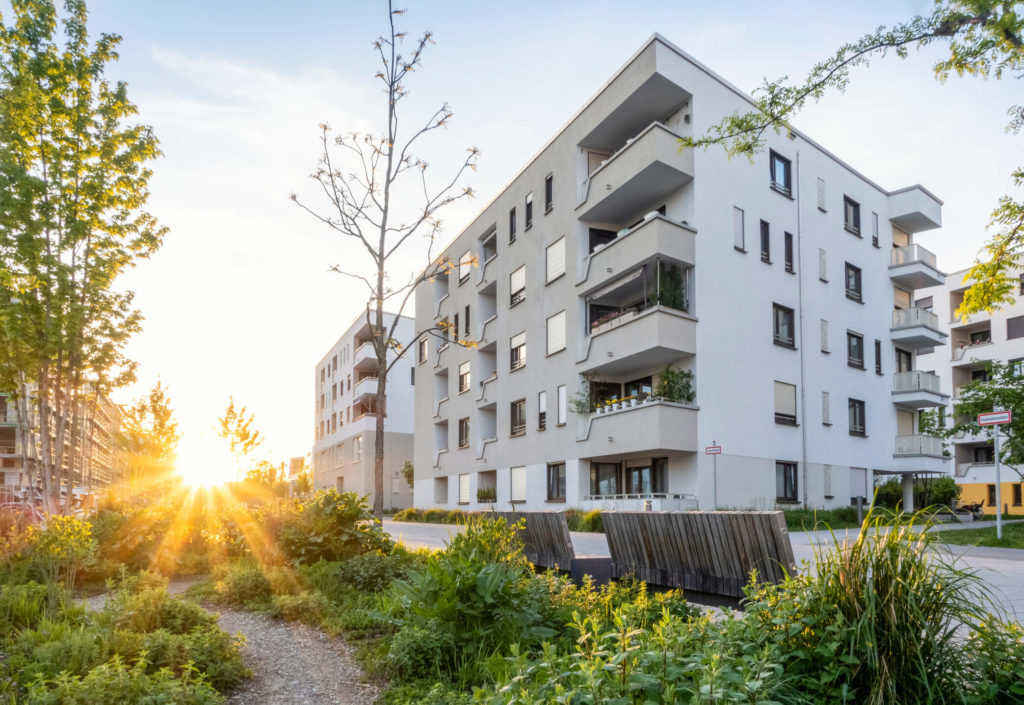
<point x="410" y="514"/>
<point x="244" y="584"/>
<point x="436" y="516"/>
<point x="211" y="651"/>
<point x="374" y="572"/>
<point x="938" y="492"/>
<point x="811" y="519"/>
<point x="331" y="527"/>
<point x="308" y="607"/>
<point x="24" y="606"/>
<point x="997" y="651"/>
<point x="61" y="548"/>
<point x="152" y="609"/>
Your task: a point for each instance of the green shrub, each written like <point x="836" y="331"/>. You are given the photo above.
<point x="24" y="606"/>
<point x="996" y="649"/>
<point x="332" y="526"/>
<point x="373" y="572"/>
<point x="410" y="514"/>
<point x="308" y="607"/>
<point x="211" y="651"/>
<point x="591" y="521"/>
<point x="152" y="609"/>
<point x="61" y="548"/>
<point x="54" y="646"/>
<point x="436" y="516"/>
<point x="811" y="519"/>
<point x="244" y="583"/>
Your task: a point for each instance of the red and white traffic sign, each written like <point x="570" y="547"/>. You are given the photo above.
<point x="995" y="418"/>
<point x="713" y="450"/>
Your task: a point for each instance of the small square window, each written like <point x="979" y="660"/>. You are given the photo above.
<point x="855" y="350"/>
<point x="783" y="329"/>
<point x="782" y="173"/>
<point x="851" y="215"/>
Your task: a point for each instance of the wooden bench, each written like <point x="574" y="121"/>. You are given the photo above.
<point x="711" y="552"/>
<point x="545" y="537"/>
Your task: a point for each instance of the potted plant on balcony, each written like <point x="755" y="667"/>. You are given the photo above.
<point x="675" y="386"/>
<point x="487" y="495"/>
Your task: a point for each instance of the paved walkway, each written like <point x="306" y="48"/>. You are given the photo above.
<point x="1001" y="568"/>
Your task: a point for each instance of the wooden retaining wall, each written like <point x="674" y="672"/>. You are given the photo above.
<point x="711" y="552"/>
<point x="545" y="537"/>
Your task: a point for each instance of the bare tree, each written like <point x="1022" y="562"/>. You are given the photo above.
<point x="362" y="176"/>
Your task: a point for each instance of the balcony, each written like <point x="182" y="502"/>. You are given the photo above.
<point x="640" y="340"/>
<point x="914" y="210"/>
<point x="638" y="176"/>
<point x="916" y="328"/>
<point x="633" y="247"/>
<point x="914" y="267"/>
<point x="979" y="472"/>
<point x="918" y="446"/>
<point x="365" y="357"/>
<point x="364" y="388"/>
<point x="917" y="390"/>
<point x="648" y="427"/>
<point x="972" y="354"/>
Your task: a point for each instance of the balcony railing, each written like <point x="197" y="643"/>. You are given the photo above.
<point x="913" y="253"/>
<point x="918" y="444"/>
<point x="909" y="317"/>
<point x="959" y="353"/>
<point x="915" y="381"/>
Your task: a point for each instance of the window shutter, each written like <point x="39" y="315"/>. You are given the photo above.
<point x="824" y="335"/>
<point x="828" y="480"/>
<point x="563" y="404"/>
<point x="738" y="238"/>
<point x="518" y="488"/>
<point x="822" y="265"/>
<point x="1015" y="327"/>
<point x="785" y="399"/>
<point x="821" y="194"/>
<point x="826" y="411"/>
<point x="556" y="332"/>
<point x="517" y="280"/>
<point x="556" y="259"/>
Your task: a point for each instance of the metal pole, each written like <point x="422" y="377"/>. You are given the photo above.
<point x="714" y="473"/>
<point x="999" y="492"/>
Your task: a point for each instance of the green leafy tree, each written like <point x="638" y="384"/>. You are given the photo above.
<point x="238" y="427"/>
<point x="1004" y="389"/>
<point x="73" y="188"/>
<point x="981" y="38"/>
<point x="408" y="472"/>
<point x="379" y="196"/>
<point x="148" y="437"/>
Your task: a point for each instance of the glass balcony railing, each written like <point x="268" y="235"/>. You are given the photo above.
<point x="909" y="317"/>
<point x="915" y="381"/>
<point x="911" y="254"/>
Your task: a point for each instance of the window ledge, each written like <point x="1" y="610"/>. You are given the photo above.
<point x="790" y="270"/>
<point x="823" y="280"/>
<point x="517" y="435"/>
<point x="552" y="354"/>
<point x="852" y="231"/>
<point x="830" y="496"/>
<point x="562" y="501"/>
<point x="823" y="210"/>
<point x="859" y="434"/>
<point x="783" y="344"/>
<point x="516" y="369"/>
<point x="826" y="352"/>
<point x="826" y="423"/>
<point x="739" y="249"/>
<point x="548" y="209"/>
<point x="462" y="504"/>
<point x="526" y="228"/>
<point x="781" y="190"/>
<point x="552" y="281"/>
<point x="513" y="304"/>
<point x="854" y="366"/>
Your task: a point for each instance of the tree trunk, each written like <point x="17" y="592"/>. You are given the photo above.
<point x="381" y="348"/>
<point x="25" y="436"/>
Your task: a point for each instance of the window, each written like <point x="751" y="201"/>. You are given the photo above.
<point x="782" y="326"/>
<point x="464" y="377"/>
<point x="826" y="410"/>
<point x="464" y="488"/>
<point x="785" y="481"/>
<point x="421" y="354"/>
<point x="555" y="260"/>
<point x="604" y="479"/>
<point x="1016" y="494"/>
<point x="563" y="405"/>
<point x="827" y="481"/>
<point x="857" y="427"/>
<point x="339" y="483"/>
<point x="465" y="265"/>
<point x="549" y="192"/>
<point x="517" y="351"/>
<point x="1021" y="284"/>
<point x="334" y="392"/>
<point x="904" y="361"/>
<point x="789" y="251"/>
<point x="455" y="328"/>
<point x="556" y="482"/>
<point x="855" y="350"/>
<point x="991" y="495"/>
<point x="874" y="228"/>
<point x="821" y="194"/>
<point x="853" y="283"/>
<point x="465" y="323"/>
<point x="824" y="336"/>
<point x="517" y="286"/>
<point x="738" y="232"/>
<point x="782" y="173"/>
<point x="925" y="303"/>
<point x="878" y="357"/>
<point x="985" y="455"/>
<point x="822" y="265"/>
<point x="981" y="337"/>
<point x="528" y="212"/>
<point x="785" y="403"/>
<point x="412" y="376"/>
<point x="556" y="333"/>
<point x="357" y="448"/>
<point x="464" y="432"/>
<point x="1016" y="367"/>
<point x="517" y="424"/>
<point x="851" y="215"/>
<point x="512" y="226"/>
<point x="542" y="411"/>
<point x="1015" y="327"/>
<point x="766" y="242"/>
<point x="517" y="475"/>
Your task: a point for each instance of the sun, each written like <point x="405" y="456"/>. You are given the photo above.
<point x="203" y="461"/>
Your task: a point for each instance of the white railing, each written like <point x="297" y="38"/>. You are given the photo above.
<point x="960" y="351"/>
<point x="483" y="268"/>
<point x="437" y="406"/>
<point x="483" y="385"/>
<point x="915" y="381"/>
<point x="908" y="317"/>
<point x="440" y="303"/>
<point x="963" y="468"/>
<point x="918" y="444"/>
<point x="912" y="253"/>
<point x="656" y="502"/>
<point x="483" y="326"/>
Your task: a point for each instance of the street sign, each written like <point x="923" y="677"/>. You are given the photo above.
<point x="995" y="418"/>
<point x="713" y="450"/>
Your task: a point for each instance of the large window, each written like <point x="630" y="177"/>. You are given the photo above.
<point x="904" y="360"/>
<point x="782" y="173"/>
<point x="464" y="488"/>
<point x="782" y="326"/>
<point x="465" y="321"/>
<point x="549" y="192"/>
<point x="646" y="477"/>
<point x="528" y="212"/>
<point x="785" y="403"/>
<point x="517" y="416"/>
<point x="556" y="482"/>
<point x="785" y="481"/>
<point x="465" y="265"/>
<point x="858" y="425"/>
<point x="517" y="285"/>
<point x="604" y="479"/>
<point x="555" y="260"/>
<point x="464" y="432"/>
<point x="1015" y="327"/>
<point x="739" y="240"/>
<point x="563" y="404"/>
<point x="851" y="215"/>
<point x="853" y="283"/>
<point x="464" y="376"/>
<point x="542" y="410"/>
<point x="517" y="475"/>
<point x="556" y="333"/>
<point x="855" y="350"/>
<point x="766" y="242"/>
<point x="517" y="351"/>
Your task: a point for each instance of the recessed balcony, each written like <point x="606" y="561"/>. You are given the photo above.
<point x="365" y="357"/>
<point x="643" y="426"/>
<point x="917" y="390"/>
<point x="971" y="354"/>
<point x="916" y="328"/>
<point x="640" y="175"/>
<point x="640" y="340"/>
<point x="918" y="446"/>
<point x="633" y="247"/>
<point x="914" y="267"/>
<point x="914" y="209"/>
<point x="365" y="387"/>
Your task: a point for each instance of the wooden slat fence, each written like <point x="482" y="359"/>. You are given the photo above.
<point x="711" y="552"/>
<point x="545" y="537"/>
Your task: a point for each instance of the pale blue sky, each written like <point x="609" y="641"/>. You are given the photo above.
<point x="240" y="301"/>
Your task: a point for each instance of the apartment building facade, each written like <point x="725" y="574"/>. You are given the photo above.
<point x="344" y="397"/>
<point x="631" y="304"/>
<point x="972" y="343"/>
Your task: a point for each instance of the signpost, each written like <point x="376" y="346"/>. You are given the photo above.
<point x="997" y="419"/>
<point x="714" y="450"/>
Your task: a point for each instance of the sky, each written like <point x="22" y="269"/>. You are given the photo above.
<point x="240" y="300"/>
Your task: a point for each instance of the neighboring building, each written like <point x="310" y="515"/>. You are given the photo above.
<point x="344" y="396"/>
<point x="614" y="255"/>
<point x="92" y="452"/>
<point x="973" y="342"/>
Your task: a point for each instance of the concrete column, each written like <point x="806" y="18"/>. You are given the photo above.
<point x="907" y="482"/>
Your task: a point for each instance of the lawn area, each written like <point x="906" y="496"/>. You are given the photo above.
<point x="1013" y="536"/>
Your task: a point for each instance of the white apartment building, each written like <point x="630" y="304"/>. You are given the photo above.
<point x="344" y="398"/>
<point x="616" y="269"/>
<point x="981" y="338"/>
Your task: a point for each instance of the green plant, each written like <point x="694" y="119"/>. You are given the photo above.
<point x="675" y="385"/>
<point x="244" y="583"/>
<point x="408" y="472"/>
<point x="487" y="494"/>
<point x="410" y="514"/>
<point x="62" y="547"/>
<point x="996" y="649"/>
<point x="331" y="526"/>
<point x="581" y="403"/>
<point x="308" y="607"/>
<point x="152" y="609"/>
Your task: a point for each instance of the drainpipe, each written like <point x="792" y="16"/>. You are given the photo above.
<point x="803" y="341"/>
